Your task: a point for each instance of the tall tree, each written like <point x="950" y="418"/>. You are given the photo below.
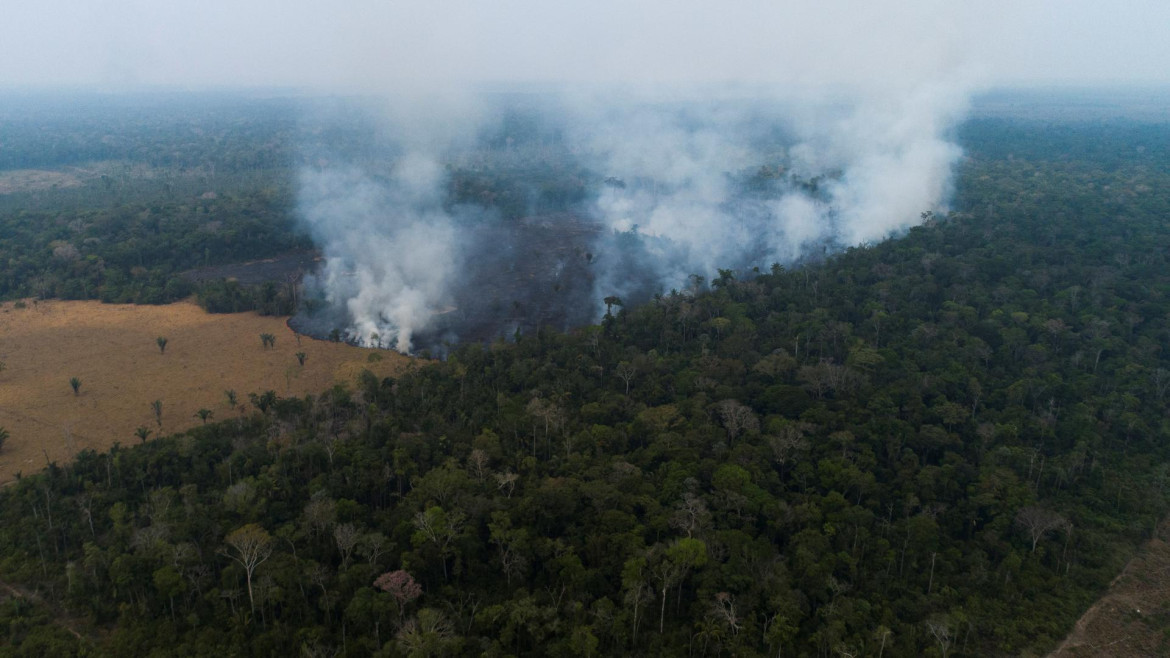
<point x="439" y="528"/>
<point x="249" y="545"/>
<point x="670" y="564"/>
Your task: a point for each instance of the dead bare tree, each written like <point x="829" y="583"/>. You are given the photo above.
<point x="940" y="629"/>
<point x="625" y="372"/>
<point x="478" y="462"/>
<point x="371" y="546"/>
<point x="1038" y="521"/>
<point x="346" y="536"/>
<point x="1161" y="380"/>
<point x="724" y="610"/>
<point x="737" y="418"/>
<point x="788" y="443"/>
<point x="690" y="514"/>
<point x="252" y="545"/>
<point x="507" y="481"/>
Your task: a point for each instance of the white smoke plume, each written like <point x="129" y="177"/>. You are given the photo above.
<point x="390" y="249"/>
<point x="695" y="183"/>
<point x="852" y="170"/>
<point x="733" y="138"/>
<point x="895" y="156"/>
<point x="390" y="243"/>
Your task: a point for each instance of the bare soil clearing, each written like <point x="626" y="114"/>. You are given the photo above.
<point x="112" y="349"/>
<point x="1132" y="619"/>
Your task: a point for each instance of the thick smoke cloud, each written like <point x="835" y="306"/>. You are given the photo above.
<point x="863" y="93"/>
<point x="390" y="250"/>
<point x="895" y="157"/>
<point x="862" y="170"/>
<point x="677" y="149"/>
<point x="668" y="187"/>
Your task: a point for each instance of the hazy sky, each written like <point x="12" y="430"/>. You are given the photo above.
<point x="356" y="44"/>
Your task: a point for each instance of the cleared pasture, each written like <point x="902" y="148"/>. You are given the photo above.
<point x="113" y="351"/>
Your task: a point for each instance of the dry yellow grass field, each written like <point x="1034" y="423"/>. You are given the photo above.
<point x="112" y="349"/>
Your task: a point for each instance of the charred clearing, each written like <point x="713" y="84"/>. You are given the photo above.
<point x="285" y="268"/>
<point x="538" y="274"/>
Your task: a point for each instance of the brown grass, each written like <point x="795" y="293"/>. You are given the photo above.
<point x="1131" y="620"/>
<point x="112" y="350"/>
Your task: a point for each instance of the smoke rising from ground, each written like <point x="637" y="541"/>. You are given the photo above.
<point x="390" y="249"/>
<point x="669" y="141"/>
<point x="533" y="208"/>
<point x="862" y="92"/>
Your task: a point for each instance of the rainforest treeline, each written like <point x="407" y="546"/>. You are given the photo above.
<point x="946" y="444"/>
<point x="144" y="188"/>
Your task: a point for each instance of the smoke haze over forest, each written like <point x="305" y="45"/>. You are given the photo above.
<point x="690" y="158"/>
<point x="370" y="46"/>
<point x="696" y="136"/>
<point x="665" y="187"/>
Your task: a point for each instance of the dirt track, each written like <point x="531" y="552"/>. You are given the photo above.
<point x="113" y="351"/>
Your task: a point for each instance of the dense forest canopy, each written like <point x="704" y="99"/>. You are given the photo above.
<point x="947" y="443"/>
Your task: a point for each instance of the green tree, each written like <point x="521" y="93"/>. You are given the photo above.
<point x="439" y="528"/>
<point x="637" y="589"/>
<point x="670" y="564"/>
<point x="169" y="583"/>
<point x="157" y="407"/>
<point x="263" y="401"/>
<point x="161" y="341"/>
<point x="75" y="383"/>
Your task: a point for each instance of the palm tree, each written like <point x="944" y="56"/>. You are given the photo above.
<point x="76" y="384"/>
<point x="204" y="414"/>
<point x="162" y="344"/>
<point x="142" y="433"/>
<point x="263" y="401"/>
<point x="3" y="437"/>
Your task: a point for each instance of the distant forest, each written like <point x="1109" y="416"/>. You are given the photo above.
<point x="945" y="444"/>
